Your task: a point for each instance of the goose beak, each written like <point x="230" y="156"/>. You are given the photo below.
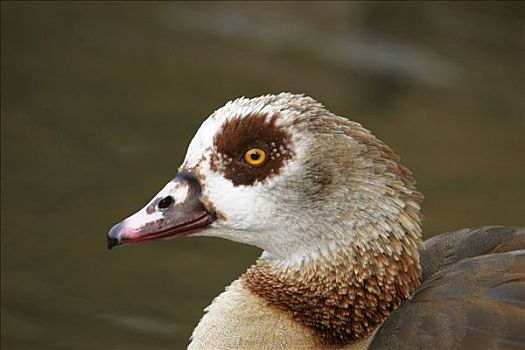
<point x="176" y="211"/>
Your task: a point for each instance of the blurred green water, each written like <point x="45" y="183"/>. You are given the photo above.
<point x="99" y="100"/>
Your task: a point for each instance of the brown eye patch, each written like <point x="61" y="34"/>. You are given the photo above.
<point x="239" y="135"/>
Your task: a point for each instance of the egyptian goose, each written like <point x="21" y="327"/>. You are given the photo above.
<point x="337" y="218"/>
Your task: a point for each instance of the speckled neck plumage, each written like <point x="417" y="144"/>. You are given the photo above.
<point x="334" y="211"/>
<point x="342" y="298"/>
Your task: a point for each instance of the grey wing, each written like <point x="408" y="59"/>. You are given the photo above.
<point x="472" y="294"/>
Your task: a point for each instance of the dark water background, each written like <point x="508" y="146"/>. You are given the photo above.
<point x="99" y="101"/>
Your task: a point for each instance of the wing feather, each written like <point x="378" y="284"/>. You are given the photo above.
<point x="472" y="294"/>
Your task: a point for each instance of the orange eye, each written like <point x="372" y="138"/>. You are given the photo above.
<point x="255" y="156"/>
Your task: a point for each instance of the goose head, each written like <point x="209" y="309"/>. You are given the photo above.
<point x="282" y="173"/>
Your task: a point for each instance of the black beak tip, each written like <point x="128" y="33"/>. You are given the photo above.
<point x="112" y="242"/>
<point x="113" y="235"/>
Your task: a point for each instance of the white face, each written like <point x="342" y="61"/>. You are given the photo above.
<point x="252" y="209"/>
<point x="243" y="179"/>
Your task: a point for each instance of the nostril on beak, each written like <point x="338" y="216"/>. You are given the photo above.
<point x="166" y="202"/>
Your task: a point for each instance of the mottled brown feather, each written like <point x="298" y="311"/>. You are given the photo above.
<point x="340" y="301"/>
